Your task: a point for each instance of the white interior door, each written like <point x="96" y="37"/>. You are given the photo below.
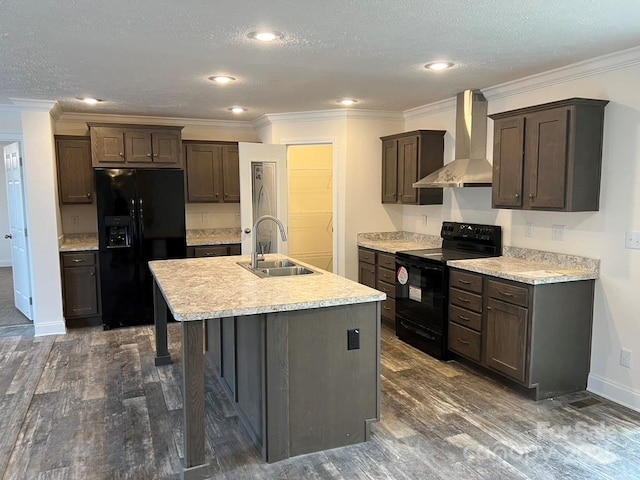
<point x="250" y="154"/>
<point x="18" y="229"/>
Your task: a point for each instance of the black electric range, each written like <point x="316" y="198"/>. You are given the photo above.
<point x="422" y="283"/>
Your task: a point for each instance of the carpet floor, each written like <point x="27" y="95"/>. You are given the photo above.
<point x="9" y="314"/>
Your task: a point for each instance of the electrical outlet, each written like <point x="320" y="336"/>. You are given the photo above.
<point x="75" y="220"/>
<point x="632" y="240"/>
<point x="558" y="232"/>
<point x="529" y="231"/>
<point x="625" y="358"/>
<point x="205" y="218"/>
<point x="424" y="220"/>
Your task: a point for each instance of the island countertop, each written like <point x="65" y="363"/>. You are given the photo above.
<point x="216" y="287"/>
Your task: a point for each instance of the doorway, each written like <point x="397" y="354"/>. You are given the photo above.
<point x="310" y="181"/>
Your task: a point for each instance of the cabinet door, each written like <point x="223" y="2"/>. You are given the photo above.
<point x="165" y="146"/>
<point x="546" y="158"/>
<point x="390" y="171"/>
<point x="75" y="175"/>
<point x="137" y="146"/>
<point x="508" y="160"/>
<point x="228" y="334"/>
<point x="204" y="167"/>
<point x="231" y="174"/>
<point x="80" y="292"/>
<point x="506" y="338"/>
<point x="107" y="145"/>
<point x="408" y="169"/>
<point x="367" y="274"/>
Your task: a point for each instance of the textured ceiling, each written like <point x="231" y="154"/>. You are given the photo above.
<point x="153" y="57"/>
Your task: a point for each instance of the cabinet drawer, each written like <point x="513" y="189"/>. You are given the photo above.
<point x="465" y="317"/>
<point x="464" y="341"/>
<point x="387" y="261"/>
<point x="211" y="251"/>
<point x="508" y="293"/>
<point x="78" y="259"/>
<point x="386" y="275"/>
<point x="389" y="309"/>
<point x="466" y="281"/>
<point x="387" y="288"/>
<point x="235" y="249"/>
<point x="366" y="256"/>
<point x="469" y="301"/>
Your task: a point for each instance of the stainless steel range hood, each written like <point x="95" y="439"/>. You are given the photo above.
<point x="470" y="167"/>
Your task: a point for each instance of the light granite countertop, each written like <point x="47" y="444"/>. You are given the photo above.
<point x="525" y="271"/>
<point x="218" y="236"/>
<point x="215" y="287"/>
<point x="392" y="242"/>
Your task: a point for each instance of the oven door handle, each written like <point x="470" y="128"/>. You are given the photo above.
<point x="419" y="267"/>
<point x="417" y="332"/>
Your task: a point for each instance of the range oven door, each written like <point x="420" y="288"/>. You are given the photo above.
<point x="421" y="296"/>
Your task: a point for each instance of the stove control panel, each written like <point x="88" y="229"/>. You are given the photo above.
<point x="471" y="232"/>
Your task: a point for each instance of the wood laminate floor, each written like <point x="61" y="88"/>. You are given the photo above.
<point x="92" y="405"/>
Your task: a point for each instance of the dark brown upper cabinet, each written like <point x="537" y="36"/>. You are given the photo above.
<point x="212" y="172"/>
<point x="136" y="146"/>
<point x="75" y="175"/>
<point x="406" y="158"/>
<point x="549" y="157"/>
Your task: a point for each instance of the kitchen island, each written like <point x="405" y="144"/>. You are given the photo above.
<point x="299" y="356"/>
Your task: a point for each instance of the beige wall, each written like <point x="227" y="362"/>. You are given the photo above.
<point x="592" y="234"/>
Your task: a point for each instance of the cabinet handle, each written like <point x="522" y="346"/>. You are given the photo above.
<point x="464" y="300"/>
<point x="464" y="282"/>
<point x="506" y="294"/>
<point x="462" y="317"/>
<point x="488" y="308"/>
<point x="77" y="260"/>
<point x="386" y="308"/>
<point x="462" y="341"/>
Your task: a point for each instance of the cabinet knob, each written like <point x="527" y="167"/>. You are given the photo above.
<point x="531" y="196"/>
<point x="122" y="154"/>
<point x="517" y="195"/>
<point x="93" y="274"/>
<point x="247" y="230"/>
<point x="217" y="195"/>
<point x="148" y="155"/>
<point x="226" y="194"/>
<point x="155" y="154"/>
<point x="89" y="195"/>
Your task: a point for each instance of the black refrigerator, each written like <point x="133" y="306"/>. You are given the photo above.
<point x="140" y="218"/>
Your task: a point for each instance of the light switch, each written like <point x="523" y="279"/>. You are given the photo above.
<point x="632" y="240"/>
<point x="558" y="232"/>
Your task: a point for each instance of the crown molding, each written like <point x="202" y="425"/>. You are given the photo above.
<point x="27" y="104"/>
<point x="151" y="120"/>
<point x="326" y="115"/>
<point x="594" y="66"/>
<point x="430" y="109"/>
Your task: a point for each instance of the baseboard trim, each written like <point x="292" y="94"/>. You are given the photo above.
<point x="49" y="328"/>
<point x="614" y="392"/>
<point x="5" y="263"/>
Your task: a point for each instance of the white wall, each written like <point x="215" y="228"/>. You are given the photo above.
<point x="357" y="159"/>
<point x="5" y="245"/>
<point x="592" y="234"/>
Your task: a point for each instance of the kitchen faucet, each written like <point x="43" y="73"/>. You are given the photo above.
<point x="255" y="254"/>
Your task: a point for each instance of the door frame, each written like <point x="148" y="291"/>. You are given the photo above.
<point x="17" y="138"/>
<point x="338" y="214"/>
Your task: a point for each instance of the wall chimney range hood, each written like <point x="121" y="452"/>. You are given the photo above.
<point x="470" y="168"/>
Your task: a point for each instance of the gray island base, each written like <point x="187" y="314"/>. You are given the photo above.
<point x="303" y="372"/>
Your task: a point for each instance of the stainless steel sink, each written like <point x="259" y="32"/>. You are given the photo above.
<point x="278" y="268"/>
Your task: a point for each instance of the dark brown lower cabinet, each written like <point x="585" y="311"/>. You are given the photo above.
<point x="506" y="338"/>
<point x="213" y="250"/>
<point x="81" y="289"/>
<point x="537" y="336"/>
<point x="377" y="270"/>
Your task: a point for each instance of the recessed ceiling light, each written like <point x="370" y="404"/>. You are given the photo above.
<point x="438" y="66"/>
<point x="222" y="79"/>
<point x="347" y="101"/>
<point x="265" y="35"/>
<point x="237" y="109"/>
<point x="89" y="100"/>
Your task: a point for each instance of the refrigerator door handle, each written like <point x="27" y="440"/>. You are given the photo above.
<point x="133" y="219"/>
<point x="141" y="219"/>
